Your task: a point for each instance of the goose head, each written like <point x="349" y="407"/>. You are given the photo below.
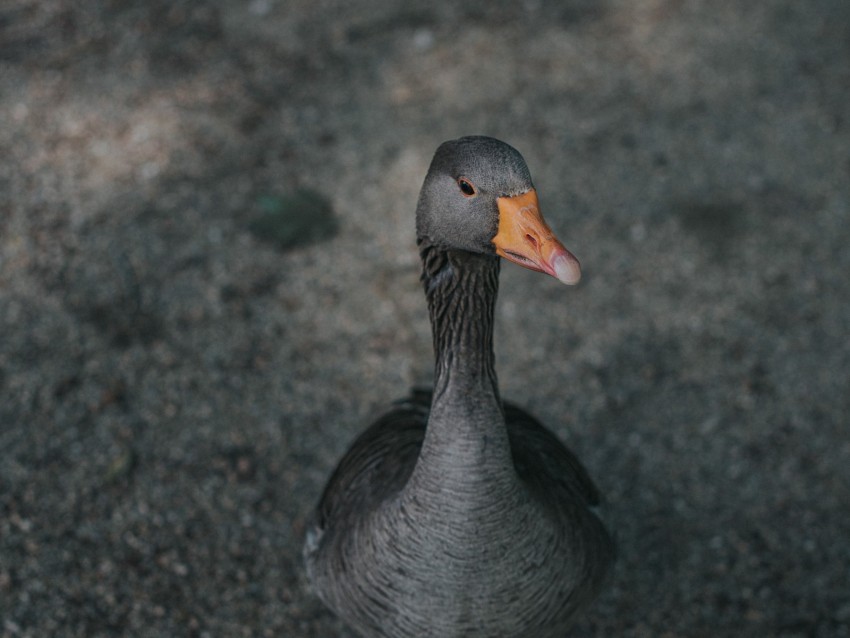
<point x="478" y="197"/>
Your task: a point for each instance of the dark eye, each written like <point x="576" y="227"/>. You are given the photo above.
<point x="466" y="187"/>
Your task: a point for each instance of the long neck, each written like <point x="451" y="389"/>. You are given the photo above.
<point x="466" y="445"/>
<point x="461" y="291"/>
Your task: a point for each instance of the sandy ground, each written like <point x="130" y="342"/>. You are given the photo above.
<point x="176" y="384"/>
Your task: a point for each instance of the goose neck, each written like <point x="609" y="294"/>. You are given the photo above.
<point x="461" y="290"/>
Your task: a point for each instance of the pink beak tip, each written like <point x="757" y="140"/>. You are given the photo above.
<point x="567" y="269"/>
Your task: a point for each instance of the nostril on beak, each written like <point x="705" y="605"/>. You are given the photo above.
<point x="531" y="239"/>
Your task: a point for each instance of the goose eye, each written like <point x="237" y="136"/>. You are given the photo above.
<point x="466" y="187"/>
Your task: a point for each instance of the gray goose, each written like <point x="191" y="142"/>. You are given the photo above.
<point x="457" y="514"/>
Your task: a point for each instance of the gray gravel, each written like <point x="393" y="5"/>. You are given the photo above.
<point x="175" y="386"/>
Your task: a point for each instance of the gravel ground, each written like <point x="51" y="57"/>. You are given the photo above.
<point x="184" y="354"/>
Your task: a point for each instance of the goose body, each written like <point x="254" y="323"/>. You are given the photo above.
<point x="456" y="514"/>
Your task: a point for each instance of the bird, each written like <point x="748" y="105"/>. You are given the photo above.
<point x="457" y="513"/>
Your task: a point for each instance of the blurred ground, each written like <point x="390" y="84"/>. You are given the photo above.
<point x="174" y="389"/>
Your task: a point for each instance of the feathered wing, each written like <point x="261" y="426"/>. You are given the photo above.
<point x="556" y="476"/>
<point x="541" y="459"/>
<point x="378" y="463"/>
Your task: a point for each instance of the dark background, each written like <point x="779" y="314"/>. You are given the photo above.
<point x="188" y="340"/>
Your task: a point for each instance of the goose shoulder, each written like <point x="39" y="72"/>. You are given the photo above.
<point x="378" y="463"/>
<point x="544" y="463"/>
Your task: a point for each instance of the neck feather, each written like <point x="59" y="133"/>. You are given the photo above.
<point x="461" y="290"/>
<point x="466" y="446"/>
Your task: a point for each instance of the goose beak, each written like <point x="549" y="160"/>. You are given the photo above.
<point x="525" y="239"/>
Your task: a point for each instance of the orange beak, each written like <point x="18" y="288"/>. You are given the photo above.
<point x="525" y="239"/>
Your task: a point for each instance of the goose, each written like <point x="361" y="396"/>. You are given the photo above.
<point x="455" y="513"/>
